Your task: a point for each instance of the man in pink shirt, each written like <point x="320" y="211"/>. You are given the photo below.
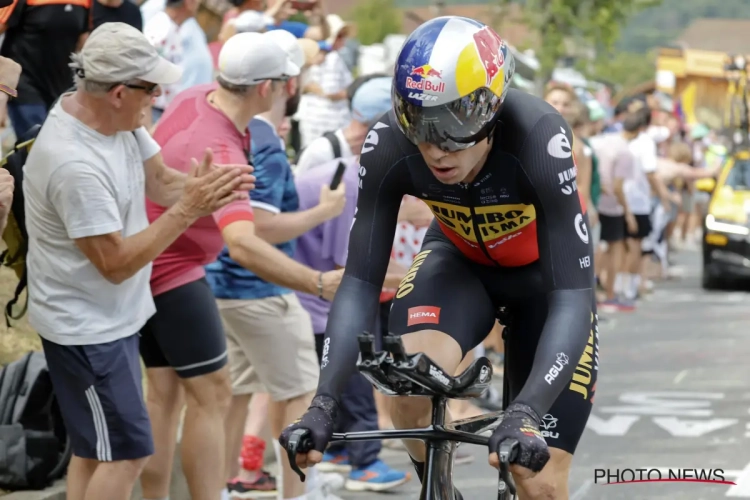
<point x="183" y="345"/>
<point x="616" y="167"/>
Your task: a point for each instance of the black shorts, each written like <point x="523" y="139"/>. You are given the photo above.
<point x="186" y="332"/>
<point x="98" y="388"/>
<point x="465" y="298"/>
<point x="644" y="227"/>
<point x="613" y="228"/>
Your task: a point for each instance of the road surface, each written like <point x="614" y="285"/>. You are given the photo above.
<point x="673" y="393"/>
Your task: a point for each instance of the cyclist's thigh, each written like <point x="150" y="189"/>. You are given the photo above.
<point x="442" y="292"/>
<point x="565" y="422"/>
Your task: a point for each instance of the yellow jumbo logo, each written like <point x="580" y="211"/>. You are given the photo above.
<point x="492" y="221"/>
<point x="581" y="382"/>
<point x="406" y="285"/>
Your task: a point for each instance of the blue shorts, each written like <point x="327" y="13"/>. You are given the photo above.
<point x="99" y="390"/>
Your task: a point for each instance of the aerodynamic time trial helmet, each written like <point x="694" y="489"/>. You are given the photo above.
<point x="451" y="77"/>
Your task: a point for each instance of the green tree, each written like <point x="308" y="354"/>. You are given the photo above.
<point x="564" y="26"/>
<point x="661" y="24"/>
<point x="375" y="19"/>
<point x="621" y="69"/>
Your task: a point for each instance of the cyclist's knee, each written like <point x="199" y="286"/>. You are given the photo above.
<point x="410" y="409"/>
<point x="438" y="346"/>
<point x="210" y="391"/>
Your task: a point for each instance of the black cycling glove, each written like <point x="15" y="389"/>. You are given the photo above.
<point x="522" y="424"/>
<point x="319" y="420"/>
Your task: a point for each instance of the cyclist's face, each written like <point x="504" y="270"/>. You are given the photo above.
<point x="455" y="167"/>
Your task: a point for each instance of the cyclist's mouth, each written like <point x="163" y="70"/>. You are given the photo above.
<point x="443" y="173"/>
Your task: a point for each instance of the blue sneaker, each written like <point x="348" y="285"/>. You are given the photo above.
<point x="375" y="477"/>
<point x="335" y="462"/>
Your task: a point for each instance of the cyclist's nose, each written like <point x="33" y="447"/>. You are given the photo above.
<point x="433" y="152"/>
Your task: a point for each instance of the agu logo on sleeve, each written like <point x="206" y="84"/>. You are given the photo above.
<point x="482" y="63"/>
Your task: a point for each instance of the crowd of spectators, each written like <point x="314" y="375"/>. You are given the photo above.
<point x="636" y="173"/>
<point x="144" y="243"/>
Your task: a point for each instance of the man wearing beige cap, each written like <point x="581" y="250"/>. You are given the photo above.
<point x="91" y="247"/>
<point x="183" y="345"/>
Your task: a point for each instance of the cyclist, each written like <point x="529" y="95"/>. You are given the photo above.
<point x="495" y="166"/>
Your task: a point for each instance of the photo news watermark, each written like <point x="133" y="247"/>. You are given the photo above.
<point x="627" y="476"/>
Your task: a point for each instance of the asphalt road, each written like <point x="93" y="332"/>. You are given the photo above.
<point x="673" y="393"/>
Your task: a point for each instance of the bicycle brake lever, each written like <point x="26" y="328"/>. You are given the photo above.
<point x="299" y="442"/>
<point x="507" y="452"/>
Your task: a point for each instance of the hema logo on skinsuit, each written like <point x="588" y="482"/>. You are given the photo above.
<point x="423" y="314"/>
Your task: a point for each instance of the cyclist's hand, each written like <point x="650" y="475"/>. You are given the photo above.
<point x="522" y="424"/>
<point x="318" y="420"/>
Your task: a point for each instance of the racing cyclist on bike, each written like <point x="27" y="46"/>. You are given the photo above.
<point x="496" y="167"/>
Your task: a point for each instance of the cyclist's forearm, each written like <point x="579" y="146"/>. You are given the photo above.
<point x="560" y="347"/>
<point x="352" y="313"/>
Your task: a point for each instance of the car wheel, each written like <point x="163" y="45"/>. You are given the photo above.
<point x="712" y="281"/>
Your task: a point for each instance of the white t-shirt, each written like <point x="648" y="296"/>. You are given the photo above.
<point x="164" y="34"/>
<point x="638" y="190"/>
<point x="79" y="183"/>
<point x="150" y="8"/>
<point x="320" y="151"/>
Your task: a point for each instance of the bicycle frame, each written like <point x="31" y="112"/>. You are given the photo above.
<point x="440" y="439"/>
<point x="418" y="376"/>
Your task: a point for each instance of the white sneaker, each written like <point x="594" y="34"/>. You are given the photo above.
<point x="323" y="491"/>
<point x="331" y="481"/>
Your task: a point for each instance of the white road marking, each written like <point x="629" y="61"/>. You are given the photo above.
<point x="680" y="376"/>
<point x="581" y="492"/>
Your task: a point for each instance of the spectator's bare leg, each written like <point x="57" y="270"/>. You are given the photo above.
<point x="254" y="425"/>
<point x="208" y="399"/>
<point x="633" y="269"/>
<point x="612" y="264"/>
<point x="114" y="480"/>
<point x="282" y="414"/>
<point x="80" y="471"/>
<point x="165" y="399"/>
<point x="234" y="427"/>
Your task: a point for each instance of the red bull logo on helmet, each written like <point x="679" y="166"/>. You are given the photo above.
<point x="482" y="63"/>
<point x="426" y="81"/>
<point x="424" y="85"/>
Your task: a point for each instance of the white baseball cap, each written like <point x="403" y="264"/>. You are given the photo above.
<point x="251" y="58"/>
<point x="251" y="21"/>
<point x="117" y="52"/>
<point x="290" y="44"/>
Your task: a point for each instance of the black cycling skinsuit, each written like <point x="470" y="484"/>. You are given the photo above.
<point x="516" y="237"/>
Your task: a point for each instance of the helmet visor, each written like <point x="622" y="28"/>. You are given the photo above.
<point x="451" y="127"/>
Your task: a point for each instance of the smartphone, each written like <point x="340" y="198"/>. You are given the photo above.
<point x="338" y="175"/>
<point x="302" y="4"/>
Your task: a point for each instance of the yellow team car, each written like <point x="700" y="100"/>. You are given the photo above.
<point x="726" y="228"/>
